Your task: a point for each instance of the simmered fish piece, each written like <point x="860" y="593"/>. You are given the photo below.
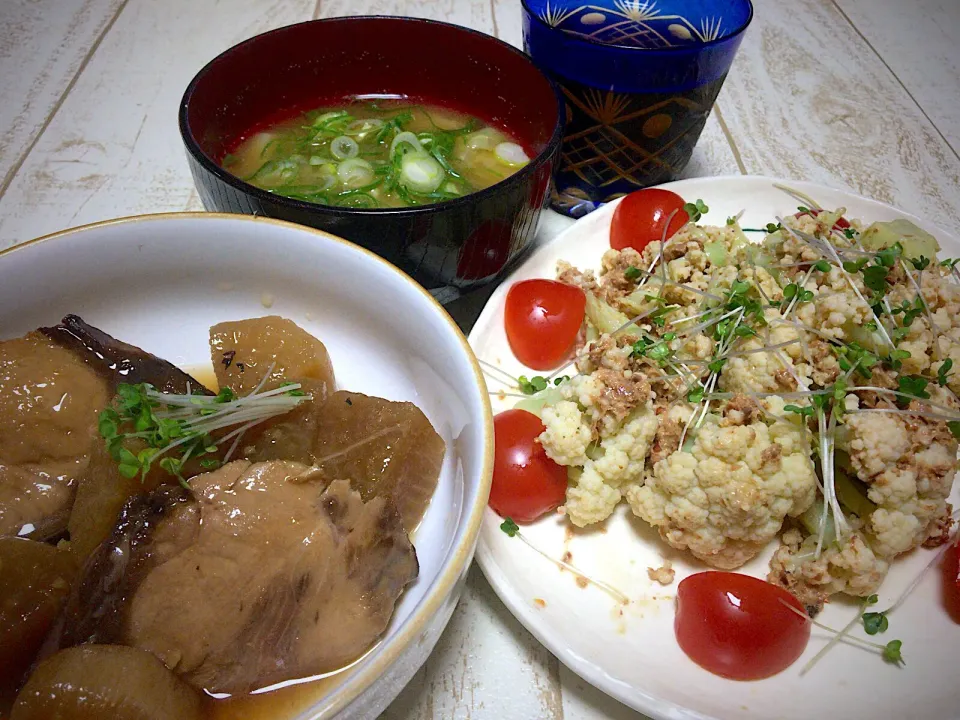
<point x="101" y="495"/>
<point x="243" y="350"/>
<point x="118" y="361"/>
<point x="265" y="576"/>
<point x="384" y="448"/>
<point x="53" y="385"/>
<point x="284" y="580"/>
<point x="99" y="488"/>
<point x="49" y="405"/>
<point x="36" y="503"/>
<point x="150" y="528"/>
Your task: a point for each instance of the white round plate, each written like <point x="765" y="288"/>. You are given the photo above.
<point x="630" y="651"/>
<point x="161" y="281"/>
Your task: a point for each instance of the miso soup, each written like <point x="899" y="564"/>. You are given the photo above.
<point x="377" y="154"/>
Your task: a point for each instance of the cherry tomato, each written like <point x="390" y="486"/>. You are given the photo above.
<point x="951" y="580"/>
<point x="640" y="217"/>
<point x="840" y="224"/>
<point x="526" y="483"/>
<point x="735" y="625"/>
<point x="542" y="319"/>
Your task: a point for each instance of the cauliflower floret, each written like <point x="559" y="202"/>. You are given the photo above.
<point x="605" y="352"/>
<point x="790" y="248"/>
<point x="940" y="293"/>
<point x="908" y="464"/>
<point x="793" y="250"/>
<point x="894" y="531"/>
<point x="593" y="495"/>
<point x="699" y="347"/>
<point x="757" y="371"/>
<point x="582" y="389"/>
<point x="760" y="276"/>
<point x="728" y="497"/>
<point x="879" y="440"/>
<point x="691" y="266"/>
<point x="752" y="371"/>
<point x="679" y="270"/>
<point x="589" y="499"/>
<point x="723" y="278"/>
<point x="566" y="436"/>
<point x="836" y="308"/>
<point x="697" y="258"/>
<point x="624" y="453"/>
<point x="918" y="342"/>
<point x="606" y="395"/>
<point x="942" y="299"/>
<point x="851" y="567"/>
<point x="571" y="275"/>
<point x="613" y="260"/>
<point x="825" y="368"/>
<point x="685" y="262"/>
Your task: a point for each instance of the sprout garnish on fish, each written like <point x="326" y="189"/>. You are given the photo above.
<point x="165" y="422"/>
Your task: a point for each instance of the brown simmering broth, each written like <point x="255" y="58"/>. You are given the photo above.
<point x="281" y="702"/>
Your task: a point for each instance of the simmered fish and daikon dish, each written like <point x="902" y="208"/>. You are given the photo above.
<point x="376" y="154"/>
<point x="162" y="542"/>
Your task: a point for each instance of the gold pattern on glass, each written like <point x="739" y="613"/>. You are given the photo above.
<point x="657" y="125"/>
<point x="604" y="107"/>
<point x="710" y="29"/>
<point x="602" y="155"/>
<point x="632" y="23"/>
<point x="554" y="17"/>
<point x="636" y="10"/>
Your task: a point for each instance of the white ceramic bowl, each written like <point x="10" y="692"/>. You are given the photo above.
<point x="160" y="281"/>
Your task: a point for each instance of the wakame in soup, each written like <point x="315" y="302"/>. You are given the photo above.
<point x="374" y="154"/>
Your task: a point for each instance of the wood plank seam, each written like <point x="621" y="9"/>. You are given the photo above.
<point x="726" y="133"/>
<point x="493" y="18"/>
<point x="897" y="78"/>
<point x="15" y="168"/>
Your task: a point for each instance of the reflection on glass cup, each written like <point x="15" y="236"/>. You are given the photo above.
<point x="639" y="79"/>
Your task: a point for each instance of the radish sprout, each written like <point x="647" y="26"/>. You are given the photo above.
<point x="511" y="529"/>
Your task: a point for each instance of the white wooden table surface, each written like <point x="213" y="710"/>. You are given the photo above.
<point x="859" y="94"/>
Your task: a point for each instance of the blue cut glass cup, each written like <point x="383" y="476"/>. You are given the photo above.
<point x="639" y="80"/>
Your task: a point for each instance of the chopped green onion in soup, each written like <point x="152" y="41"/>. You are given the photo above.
<point x="377" y="154"/>
<point x="511" y="154"/>
<point x="355" y="172"/>
<point x="343" y="147"/>
<point x="421" y="173"/>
